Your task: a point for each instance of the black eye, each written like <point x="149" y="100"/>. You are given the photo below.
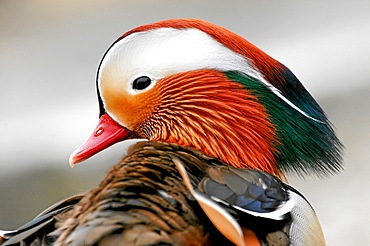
<point x="141" y="83"/>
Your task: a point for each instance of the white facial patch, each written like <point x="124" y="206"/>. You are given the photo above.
<point x="166" y="51"/>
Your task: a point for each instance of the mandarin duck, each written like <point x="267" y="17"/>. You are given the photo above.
<point x="244" y="120"/>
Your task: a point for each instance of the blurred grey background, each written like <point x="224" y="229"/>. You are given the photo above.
<point x="50" y="50"/>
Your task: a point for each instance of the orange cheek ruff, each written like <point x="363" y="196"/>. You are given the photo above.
<point x="205" y="110"/>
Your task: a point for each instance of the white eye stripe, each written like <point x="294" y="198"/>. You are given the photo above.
<point x="166" y="51"/>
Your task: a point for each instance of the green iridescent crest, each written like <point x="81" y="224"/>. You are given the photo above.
<point x="303" y="144"/>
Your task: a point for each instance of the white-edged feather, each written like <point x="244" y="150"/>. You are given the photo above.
<point x="220" y="218"/>
<point x="277" y="214"/>
<point x="305" y="229"/>
<point x="3" y="233"/>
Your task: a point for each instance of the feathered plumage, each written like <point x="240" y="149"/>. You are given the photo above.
<point x="224" y="120"/>
<point x="210" y="89"/>
<point x="144" y="201"/>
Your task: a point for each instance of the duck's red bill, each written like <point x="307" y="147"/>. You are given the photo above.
<point x="107" y="133"/>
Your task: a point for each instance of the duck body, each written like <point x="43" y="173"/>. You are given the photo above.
<point x="225" y="122"/>
<point x="144" y="201"/>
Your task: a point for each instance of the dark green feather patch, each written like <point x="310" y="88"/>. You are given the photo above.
<point x="304" y="145"/>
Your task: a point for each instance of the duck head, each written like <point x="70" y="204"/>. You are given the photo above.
<point x="199" y="85"/>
